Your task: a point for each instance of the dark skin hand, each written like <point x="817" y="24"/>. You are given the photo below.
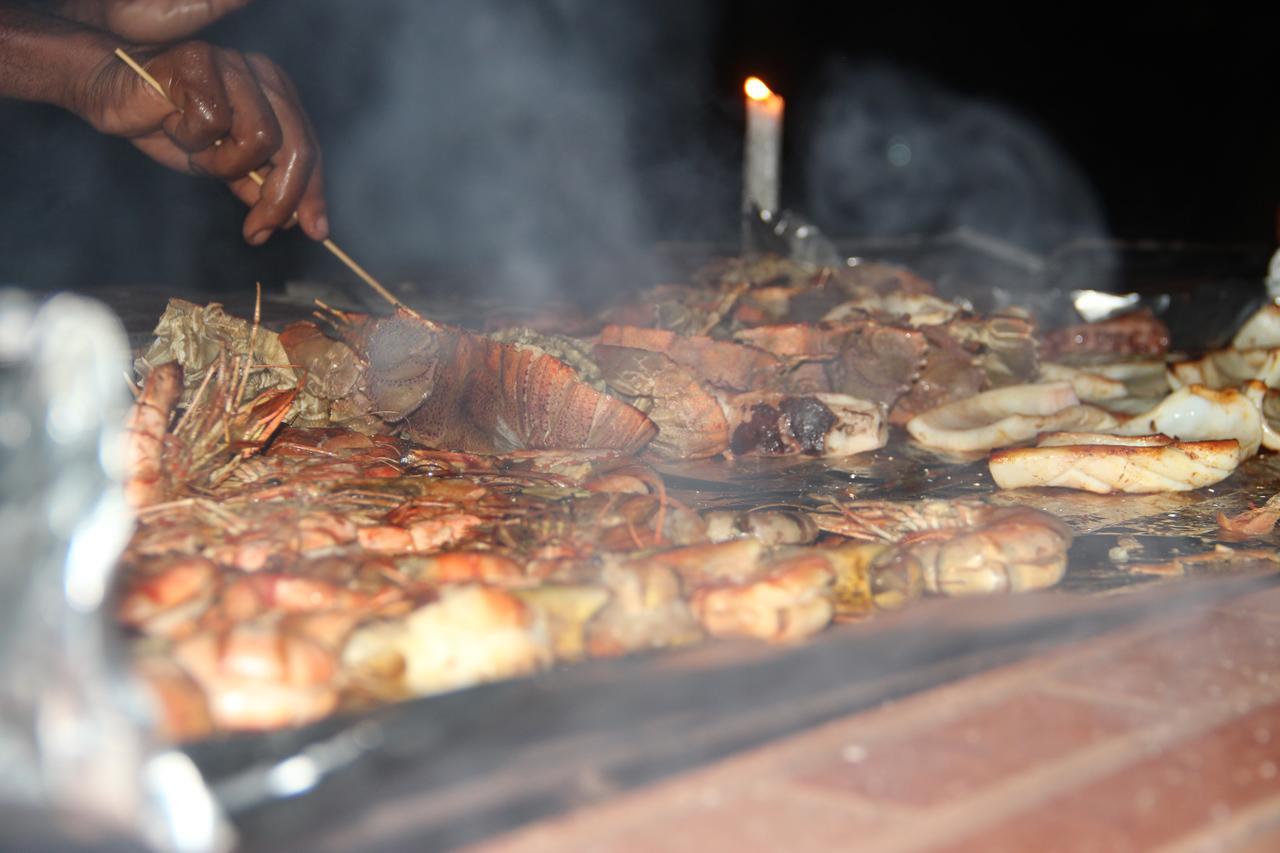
<point x="231" y="113"/>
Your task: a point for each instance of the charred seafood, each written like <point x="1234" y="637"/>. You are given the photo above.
<point x="359" y="509"/>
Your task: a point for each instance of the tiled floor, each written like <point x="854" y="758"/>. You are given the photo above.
<point x="1162" y="737"/>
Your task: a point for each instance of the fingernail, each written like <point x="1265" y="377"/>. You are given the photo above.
<point x="322" y="227"/>
<point x="260" y="237"/>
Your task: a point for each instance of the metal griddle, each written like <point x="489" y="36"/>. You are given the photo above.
<point x="448" y="770"/>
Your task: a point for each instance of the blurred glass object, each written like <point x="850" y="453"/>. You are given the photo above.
<point x="81" y="769"/>
<point x="790" y="234"/>
<point x="1094" y="306"/>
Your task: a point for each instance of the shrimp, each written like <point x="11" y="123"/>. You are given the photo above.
<point x="165" y="598"/>
<point x="258" y="675"/>
<point x="792" y="601"/>
<point x="145" y="432"/>
<point x="955" y="547"/>
<point x="469" y="635"/>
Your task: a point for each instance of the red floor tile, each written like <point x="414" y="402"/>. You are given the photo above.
<point x="1263" y="603"/>
<point x="706" y="816"/>
<point x="1189" y="787"/>
<point x="973" y="750"/>
<point x="1063" y="734"/>
<point x="1213" y="658"/>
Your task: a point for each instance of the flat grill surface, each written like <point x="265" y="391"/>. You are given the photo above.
<point x="447" y="770"/>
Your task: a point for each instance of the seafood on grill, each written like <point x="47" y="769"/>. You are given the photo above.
<point x="1005" y="417"/>
<point x="772" y="424"/>
<point x="145" y="432"/>
<point x="451" y="389"/>
<point x="1267" y="401"/>
<point x="471" y="634"/>
<point x="1125" y="387"/>
<point x="568" y="609"/>
<point x="1227" y="368"/>
<point x="1003" y="346"/>
<point x="767" y="526"/>
<point x="217" y="430"/>
<point x="968" y="355"/>
<point x="791" y="600"/>
<point x="261" y="674"/>
<point x="1138" y="333"/>
<point x="953" y="547"/>
<point x="690" y="422"/>
<point x="1261" y="330"/>
<point x="1090" y="387"/>
<point x="862" y="358"/>
<point x="1253" y="522"/>
<point x="721" y="364"/>
<point x="741" y="588"/>
<point x="362" y="509"/>
<point x="1221" y="558"/>
<point x="909" y="369"/>
<point x="1196" y="413"/>
<point x="198" y="337"/>
<point x="1106" y="464"/>
<point x="915" y="309"/>
<point x="647" y="609"/>
<point x="795" y="343"/>
<point x="1254" y="355"/>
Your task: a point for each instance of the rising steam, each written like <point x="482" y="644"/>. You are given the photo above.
<point x="895" y="153"/>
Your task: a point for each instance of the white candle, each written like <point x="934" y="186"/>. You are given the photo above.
<point x="762" y="158"/>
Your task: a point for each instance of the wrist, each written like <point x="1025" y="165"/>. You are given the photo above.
<point x="86" y="62"/>
<point x="50" y="60"/>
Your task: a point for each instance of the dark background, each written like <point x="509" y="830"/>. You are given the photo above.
<point x="537" y="138"/>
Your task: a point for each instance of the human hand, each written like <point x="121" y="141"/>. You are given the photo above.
<point x="226" y="114"/>
<point x="149" y="21"/>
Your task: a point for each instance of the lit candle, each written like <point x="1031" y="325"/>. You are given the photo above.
<point x="763" y="152"/>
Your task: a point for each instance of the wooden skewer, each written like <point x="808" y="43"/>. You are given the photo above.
<point x="333" y="247"/>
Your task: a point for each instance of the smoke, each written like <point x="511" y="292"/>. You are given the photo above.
<point x="892" y="152"/>
<point x="542" y="147"/>
<point x="524" y="143"/>
<point x="512" y="140"/>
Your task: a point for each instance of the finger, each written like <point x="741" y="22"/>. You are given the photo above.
<point x="191" y="75"/>
<point x="250" y="192"/>
<point x="246" y="189"/>
<point x="313" y="210"/>
<point x="312" y="207"/>
<point x="159" y="147"/>
<point x="255" y="134"/>
<point x="293" y="164"/>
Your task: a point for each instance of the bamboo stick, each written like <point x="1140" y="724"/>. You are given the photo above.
<point x="333" y="247"/>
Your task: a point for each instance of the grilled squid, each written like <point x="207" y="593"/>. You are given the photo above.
<point x="1260" y="330"/>
<point x="1104" y="464"/>
<point x="1005" y="417"/>
<point x="1198" y="414"/>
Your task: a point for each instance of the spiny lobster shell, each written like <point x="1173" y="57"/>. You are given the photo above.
<point x="460" y="391"/>
<point x="691" y="424"/>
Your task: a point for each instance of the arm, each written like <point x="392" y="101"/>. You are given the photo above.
<point x="41" y="56"/>
<point x="244" y="102"/>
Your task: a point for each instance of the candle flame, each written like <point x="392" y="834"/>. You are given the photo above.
<point x="756" y="89"/>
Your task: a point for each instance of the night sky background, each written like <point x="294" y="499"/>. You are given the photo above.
<point x="526" y="137"/>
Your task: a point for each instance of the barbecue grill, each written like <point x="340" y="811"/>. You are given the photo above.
<point x="455" y="769"/>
